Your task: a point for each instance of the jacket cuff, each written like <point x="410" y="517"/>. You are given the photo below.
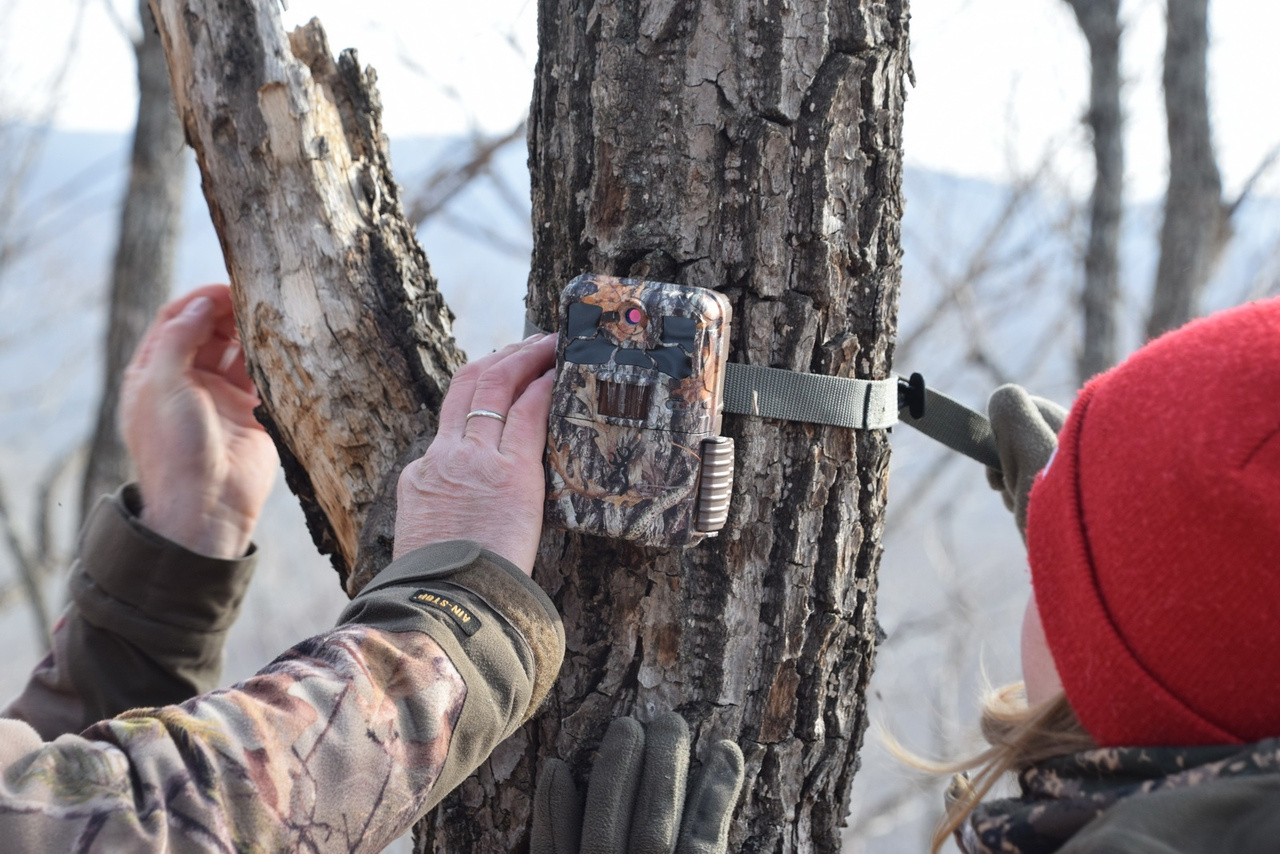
<point x="498" y="583"/>
<point x="498" y="628"/>
<point x="128" y="574"/>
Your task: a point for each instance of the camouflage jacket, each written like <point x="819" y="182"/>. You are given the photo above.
<point x="1163" y="800"/>
<point x="340" y="744"/>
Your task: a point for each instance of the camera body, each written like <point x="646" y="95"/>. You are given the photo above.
<point x="633" y="444"/>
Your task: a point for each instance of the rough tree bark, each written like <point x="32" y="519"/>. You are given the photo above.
<point x="754" y="148"/>
<point x="347" y="337"/>
<point x="148" y="242"/>
<point x="1100" y="22"/>
<point x="1196" y="225"/>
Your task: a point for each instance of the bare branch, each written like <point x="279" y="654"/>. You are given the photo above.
<point x="132" y="35"/>
<point x="16" y="166"/>
<point x="29" y="571"/>
<point x="1258" y="174"/>
<point x="448" y="181"/>
<point x="47" y="505"/>
<point x="487" y="235"/>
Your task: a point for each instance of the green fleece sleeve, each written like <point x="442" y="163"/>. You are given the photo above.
<point x="145" y="627"/>
<point x="1240" y="815"/>
<point x="496" y="625"/>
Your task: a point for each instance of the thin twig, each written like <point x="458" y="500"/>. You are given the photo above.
<point x="1258" y="173"/>
<point x="447" y="182"/>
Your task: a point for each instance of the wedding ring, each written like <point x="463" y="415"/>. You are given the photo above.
<point x="486" y="413"/>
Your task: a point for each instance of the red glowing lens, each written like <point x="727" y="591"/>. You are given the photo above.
<point x="634" y="316"/>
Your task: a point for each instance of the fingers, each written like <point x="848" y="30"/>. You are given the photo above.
<point x="233" y="368"/>
<point x="655" y="821"/>
<point x="457" y="401"/>
<point x="557" y="811"/>
<point x="612" y="789"/>
<point x="174" y="342"/>
<point x="224" y="357"/>
<point x="1054" y="415"/>
<point x="494" y="383"/>
<point x="712" y="799"/>
<point x="1024" y="436"/>
<point x="219" y="295"/>
<point x="498" y="387"/>
<point x="218" y="298"/>
<point x="525" y="434"/>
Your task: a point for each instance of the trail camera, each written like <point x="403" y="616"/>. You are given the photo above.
<point x="634" y="449"/>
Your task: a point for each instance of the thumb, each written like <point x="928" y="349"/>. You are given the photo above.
<point x="1053" y="414"/>
<point x="176" y="341"/>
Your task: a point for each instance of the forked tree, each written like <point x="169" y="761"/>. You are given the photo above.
<point x="750" y="147"/>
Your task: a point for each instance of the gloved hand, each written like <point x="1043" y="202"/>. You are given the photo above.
<point x="1026" y="430"/>
<point x="636" y="801"/>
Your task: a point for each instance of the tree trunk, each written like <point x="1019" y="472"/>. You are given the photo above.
<point x="1100" y="22"/>
<point x="347" y="337"/>
<point x="1196" y="227"/>
<point x="143" y="271"/>
<point x="753" y="148"/>
<point x="749" y="148"/>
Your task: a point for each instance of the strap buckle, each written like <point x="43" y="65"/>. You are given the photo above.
<point x="912" y="395"/>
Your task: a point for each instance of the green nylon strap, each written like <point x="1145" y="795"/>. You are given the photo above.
<point x="956" y="426"/>
<point x="814" y="398"/>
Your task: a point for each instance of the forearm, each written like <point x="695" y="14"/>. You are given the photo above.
<point x="335" y="746"/>
<point x="493" y="622"/>
<point x="340" y="744"/>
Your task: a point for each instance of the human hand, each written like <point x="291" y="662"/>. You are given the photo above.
<point x="636" y="796"/>
<point x="1026" y="430"/>
<point x="205" y="465"/>
<point x="482" y="477"/>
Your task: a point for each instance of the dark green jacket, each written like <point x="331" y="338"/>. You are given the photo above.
<point x="1233" y="816"/>
<point x="1147" y="800"/>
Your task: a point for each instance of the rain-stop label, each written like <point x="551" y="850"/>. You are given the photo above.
<point x="462" y="616"/>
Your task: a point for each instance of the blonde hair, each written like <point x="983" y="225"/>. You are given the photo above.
<point x="1019" y="735"/>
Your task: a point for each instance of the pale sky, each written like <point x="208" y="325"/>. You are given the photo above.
<point x="998" y="81"/>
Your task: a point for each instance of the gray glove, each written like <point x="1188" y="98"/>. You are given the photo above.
<point x="636" y="802"/>
<point x="1026" y="430"/>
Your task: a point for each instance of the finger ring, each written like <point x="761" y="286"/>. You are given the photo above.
<point x="486" y="413"/>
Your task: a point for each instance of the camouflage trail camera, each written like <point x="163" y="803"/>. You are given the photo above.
<point x="633" y="444"/>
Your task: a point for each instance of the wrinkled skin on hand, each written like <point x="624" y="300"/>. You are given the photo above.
<point x="205" y="465"/>
<point x="482" y="478"/>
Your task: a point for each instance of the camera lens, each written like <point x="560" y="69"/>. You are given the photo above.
<point x="634" y="316"/>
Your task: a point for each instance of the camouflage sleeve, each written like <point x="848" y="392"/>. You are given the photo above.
<point x="494" y="623"/>
<point x="338" y="745"/>
<point x="145" y="627"/>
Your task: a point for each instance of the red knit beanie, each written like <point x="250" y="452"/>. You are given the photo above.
<point x="1154" y="539"/>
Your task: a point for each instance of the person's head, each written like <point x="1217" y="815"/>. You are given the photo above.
<point x="1153" y="536"/>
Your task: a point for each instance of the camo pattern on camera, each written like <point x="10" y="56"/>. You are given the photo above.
<point x="335" y="746"/>
<point x="1062" y="795"/>
<point x="640" y="377"/>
